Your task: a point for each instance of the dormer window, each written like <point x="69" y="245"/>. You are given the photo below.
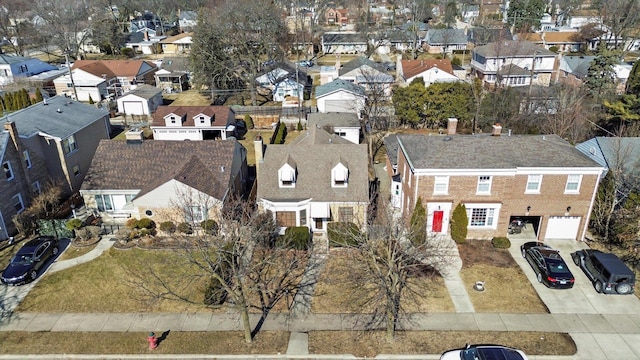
<point x="339" y="175"/>
<point x="202" y="121"/>
<point x="173" y="119"/>
<point x="287" y="176"/>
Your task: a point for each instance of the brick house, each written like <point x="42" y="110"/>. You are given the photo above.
<point x="541" y="179"/>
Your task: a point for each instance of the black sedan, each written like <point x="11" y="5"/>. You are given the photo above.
<point x="26" y="263"/>
<point x="548" y="265"/>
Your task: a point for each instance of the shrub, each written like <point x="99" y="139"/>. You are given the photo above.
<point x="501" y="242"/>
<point x="73" y="224"/>
<point x="146" y="223"/>
<point x="553" y="49"/>
<point x="299" y="128"/>
<point x="209" y="226"/>
<point x="456" y="61"/>
<point x="185" y="228"/>
<point x="134" y="233"/>
<point x="128" y="52"/>
<point x="94" y="231"/>
<point x="343" y="234"/>
<point x="144" y="232"/>
<point x="459" y="222"/>
<point x="248" y="121"/>
<point x="132" y="223"/>
<point x="419" y="224"/>
<point x="280" y="134"/>
<point x="295" y="237"/>
<point x="168" y="226"/>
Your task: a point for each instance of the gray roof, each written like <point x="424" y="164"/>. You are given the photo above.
<point x="578" y="66"/>
<point x="313" y="172"/>
<point x="315" y="135"/>
<point x="188" y="15"/>
<point x="358" y="62"/>
<point x="491" y="152"/>
<point x="59" y="117"/>
<point x="176" y="64"/>
<point x="144" y="91"/>
<point x="513" y="70"/>
<point x="344" y="38"/>
<point x="334" y="119"/>
<point x="446" y="36"/>
<point x="391" y="144"/>
<point x="339" y="84"/>
<point x="482" y="36"/>
<point x="608" y="151"/>
<point x="512" y="48"/>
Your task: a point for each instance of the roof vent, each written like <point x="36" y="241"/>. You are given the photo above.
<point x="221" y="168"/>
<point x="44" y="101"/>
<point x="59" y="110"/>
<point x="592" y="150"/>
<point x="447" y="138"/>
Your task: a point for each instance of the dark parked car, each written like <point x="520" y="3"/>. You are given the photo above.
<point x="548" y="265"/>
<point x="484" y="352"/>
<point x="26" y="263"/>
<point x="606" y="271"/>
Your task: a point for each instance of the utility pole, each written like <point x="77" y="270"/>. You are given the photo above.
<point x="533" y="66"/>
<point x="73" y="84"/>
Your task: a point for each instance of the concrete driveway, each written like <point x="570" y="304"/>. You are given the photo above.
<point x="582" y="298"/>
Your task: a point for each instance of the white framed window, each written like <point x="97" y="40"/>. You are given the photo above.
<point x="69" y="145"/>
<point x="483" y="216"/>
<point x="484" y="185"/>
<point x="534" y="183"/>
<point x="195" y="214"/>
<point x="27" y="159"/>
<point x="441" y="185"/>
<point x="573" y="184"/>
<point x="17" y="203"/>
<point x="76" y="170"/>
<point x="35" y="187"/>
<point x="8" y="171"/>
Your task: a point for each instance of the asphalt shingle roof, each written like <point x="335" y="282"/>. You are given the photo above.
<point x="411" y="68"/>
<point x="112" y="67"/>
<point x="71" y="117"/>
<point x="359" y="62"/>
<point x="220" y="115"/>
<point x="315" y="135"/>
<point x="118" y="165"/>
<point x="344" y="38"/>
<point x="578" y="66"/>
<point x="334" y="119"/>
<point x="491" y="152"/>
<point x="339" y="84"/>
<point x="446" y="36"/>
<point x="144" y="91"/>
<point x="512" y="49"/>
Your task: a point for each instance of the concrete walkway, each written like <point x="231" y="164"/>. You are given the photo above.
<point x="103" y="245"/>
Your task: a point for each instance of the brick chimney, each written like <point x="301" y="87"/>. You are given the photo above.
<point x="10" y="127"/>
<point x="134" y="136"/>
<point x="258" y="150"/>
<point x="497" y="129"/>
<point x="452" y="124"/>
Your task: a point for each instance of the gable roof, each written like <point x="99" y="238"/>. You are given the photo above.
<point x="608" y="151"/>
<point x="513" y="70"/>
<point x="44" y="118"/>
<point x="554" y="37"/>
<point x="112" y="68"/>
<point x="180" y="38"/>
<point x="334" y="119"/>
<point x="339" y="84"/>
<point x="357" y="63"/>
<point x="512" y="48"/>
<point x="144" y="91"/>
<point x="446" y="36"/>
<point x="491" y="152"/>
<point x="578" y="66"/>
<point x="204" y="165"/>
<point x="175" y="63"/>
<point x="411" y="68"/>
<point x="315" y="135"/>
<point x="482" y="36"/>
<point x="313" y="172"/>
<point x="344" y="38"/>
<point x="220" y="115"/>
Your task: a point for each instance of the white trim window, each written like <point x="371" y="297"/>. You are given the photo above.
<point x="27" y="159"/>
<point x="18" y="204"/>
<point x="483" y="216"/>
<point x="8" y="171"/>
<point x="573" y="184"/>
<point x="195" y="214"/>
<point x="484" y="184"/>
<point x="35" y="187"/>
<point x="441" y="185"/>
<point x="534" y="182"/>
<point x="69" y="145"/>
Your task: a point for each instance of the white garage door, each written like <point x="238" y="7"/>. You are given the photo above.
<point x="563" y="227"/>
<point x="339" y="106"/>
<point x="133" y="108"/>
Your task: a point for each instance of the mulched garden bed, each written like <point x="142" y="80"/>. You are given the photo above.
<point x="153" y="243"/>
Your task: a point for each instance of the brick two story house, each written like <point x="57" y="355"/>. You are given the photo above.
<point x="541" y="179"/>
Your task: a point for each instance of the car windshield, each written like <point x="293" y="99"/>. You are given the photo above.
<point x="490" y="353"/>
<point x="22" y="259"/>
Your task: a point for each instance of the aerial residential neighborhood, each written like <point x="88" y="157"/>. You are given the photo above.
<point x="320" y="179"/>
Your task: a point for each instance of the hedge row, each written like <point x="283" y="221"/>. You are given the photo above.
<point x="280" y="134"/>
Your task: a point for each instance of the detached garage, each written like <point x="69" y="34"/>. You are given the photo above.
<point x="340" y="96"/>
<point x="563" y="227"/>
<point x="142" y="100"/>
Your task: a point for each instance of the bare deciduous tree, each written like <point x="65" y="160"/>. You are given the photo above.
<point x="568" y="115"/>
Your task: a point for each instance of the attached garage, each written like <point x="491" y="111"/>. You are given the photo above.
<point x="563" y="227"/>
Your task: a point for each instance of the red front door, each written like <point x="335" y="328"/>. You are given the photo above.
<point x="437" y="221"/>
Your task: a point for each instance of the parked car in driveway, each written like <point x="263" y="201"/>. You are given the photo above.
<point x="607" y="272"/>
<point x="29" y="260"/>
<point x="484" y="352"/>
<point x="546" y="262"/>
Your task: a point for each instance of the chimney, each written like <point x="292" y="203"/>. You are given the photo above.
<point x="134" y="136"/>
<point x="452" y="124"/>
<point x="10" y="127"/>
<point x="146" y="35"/>
<point x="497" y="129"/>
<point x="338" y="62"/>
<point x="258" y="150"/>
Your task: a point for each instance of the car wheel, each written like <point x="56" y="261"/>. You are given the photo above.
<point x="623" y="288"/>
<point x="576" y="260"/>
<point x="539" y="277"/>
<point x="55" y="251"/>
<point x="34" y="275"/>
<point x="598" y="286"/>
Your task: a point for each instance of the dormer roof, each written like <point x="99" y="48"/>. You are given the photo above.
<point x="220" y="115"/>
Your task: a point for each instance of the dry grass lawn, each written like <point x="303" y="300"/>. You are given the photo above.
<point x="507" y="288"/>
<point x="335" y="293"/>
<point x="74" y="252"/>
<point x="372" y="343"/>
<point x="188" y="98"/>
<point x="266" y="134"/>
<point x="267" y="342"/>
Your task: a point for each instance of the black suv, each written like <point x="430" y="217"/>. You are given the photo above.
<point x="607" y="272"/>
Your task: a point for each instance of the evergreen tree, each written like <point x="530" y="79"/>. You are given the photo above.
<point x="91" y="100"/>
<point x="9" y="102"/>
<point x="38" y="95"/>
<point x="419" y="224"/>
<point x="409" y="103"/>
<point x="633" y="82"/>
<point x="25" y="99"/>
<point x="601" y="76"/>
<point x="459" y="223"/>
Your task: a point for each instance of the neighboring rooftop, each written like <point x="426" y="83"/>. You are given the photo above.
<point x="220" y="115"/>
<point x="315" y="135"/>
<point x="144" y="91"/>
<point x="512" y="49"/>
<point x="411" y="68"/>
<point x="334" y="119"/>
<point x="339" y="84"/>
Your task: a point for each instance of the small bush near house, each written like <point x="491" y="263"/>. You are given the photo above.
<point x="128" y="52"/>
<point x="209" y="226"/>
<point x="501" y="242"/>
<point x="299" y="128"/>
<point x="459" y="222"/>
<point x="456" y="61"/>
<point x="185" y="228"/>
<point x="132" y="223"/>
<point x="553" y="49"/>
<point x="248" y="121"/>
<point x="343" y="234"/>
<point x="168" y="227"/>
<point x="146" y="223"/>
<point x="418" y="224"/>
<point x="295" y="237"/>
<point x="144" y="232"/>
<point x="73" y="224"/>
